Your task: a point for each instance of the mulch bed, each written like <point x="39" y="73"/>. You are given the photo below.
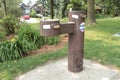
<point x="50" y="48"/>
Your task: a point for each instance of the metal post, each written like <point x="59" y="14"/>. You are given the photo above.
<point x="76" y="42"/>
<point x="50" y="27"/>
<point x="75" y="29"/>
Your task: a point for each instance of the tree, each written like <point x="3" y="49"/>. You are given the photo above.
<point x="51" y="9"/>
<point x="33" y="13"/>
<point x="59" y="8"/>
<point x="111" y="7"/>
<point x="63" y="8"/>
<point x="43" y="2"/>
<point x="49" y="5"/>
<point x="11" y="7"/>
<point x="77" y="4"/>
<point x="91" y="12"/>
<point x="4" y="7"/>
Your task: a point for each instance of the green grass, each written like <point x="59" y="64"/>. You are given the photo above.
<point x="11" y="69"/>
<point x="100" y="45"/>
<point x="35" y="26"/>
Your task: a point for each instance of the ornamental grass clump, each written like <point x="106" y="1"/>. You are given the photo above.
<point x="10" y="24"/>
<point x="27" y="39"/>
<point x="10" y="51"/>
<point x="30" y="38"/>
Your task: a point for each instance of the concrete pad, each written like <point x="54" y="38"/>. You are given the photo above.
<point x="57" y="70"/>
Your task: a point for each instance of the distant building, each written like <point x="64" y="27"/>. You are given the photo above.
<point x="40" y="9"/>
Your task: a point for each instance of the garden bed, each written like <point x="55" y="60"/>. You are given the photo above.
<point x="50" y="48"/>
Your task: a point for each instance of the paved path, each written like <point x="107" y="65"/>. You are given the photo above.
<point x="57" y="70"/>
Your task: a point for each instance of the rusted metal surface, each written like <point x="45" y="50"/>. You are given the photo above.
<point x="76" y="43"/>
<point x="50" y="27"/>
<point x="67" y="27"/>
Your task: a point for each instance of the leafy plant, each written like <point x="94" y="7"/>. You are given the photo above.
<point x="51" y="40"/>
<point x="2" y="36"/>
<point x="33" y="13"/>
<point x="77" y="5"/>
<point x="11" y="24"/>
<point x="29" y="38"/>
<point x="10" y="51"/>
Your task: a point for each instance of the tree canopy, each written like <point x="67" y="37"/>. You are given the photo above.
<point x="10" y="7"/>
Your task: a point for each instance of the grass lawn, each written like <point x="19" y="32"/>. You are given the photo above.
<point x="100" y="45"/>
<point x="9" y="70"/>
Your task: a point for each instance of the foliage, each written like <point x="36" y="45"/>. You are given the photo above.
<point x="109" y="7"/>
<point x="51" y="40"/>
<point x="62" y="6"/>
<point x="9" y="70"/>
<point x="11" y="24"/>
<point x="48" y="40"/>
<point x="100" y="45"/>
<point x="27" y="39"/>
<point x="12" y="7"/>
<point x="46" y="5"/>
<point x="33" y="13"/>
<point x="10" y="50"/>
<point x="77" y="5"/>
<point x="2" y="35"/>
<point x="102" y="16"/>
<point x="59" y="7"/>
<point x="5" y="75"/>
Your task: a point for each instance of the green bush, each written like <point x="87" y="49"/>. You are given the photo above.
<point x="51" y="40"/>
<point x="10" y="23"/>
<point x="2" y="36"/>
<point x="10" y="51"/>
<point x="30" y="38"/>
<point x="33" y="13"/>
<point x="27" y="39"/>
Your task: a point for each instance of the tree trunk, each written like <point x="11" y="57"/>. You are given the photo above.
<point x="4" y="7"/>
<point x="51" y="9"/>
<point x="65" y="3"/>
<point x="91" y="12"/>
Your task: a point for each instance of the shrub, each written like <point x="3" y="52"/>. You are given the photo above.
<point x="10" y="23"/>
<point x="2" y="36"/>
<point x="30" y="38"/>
<point x="33" y="13"/>
<point x="51" y="40"/>
<point x="10" y="51"/>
